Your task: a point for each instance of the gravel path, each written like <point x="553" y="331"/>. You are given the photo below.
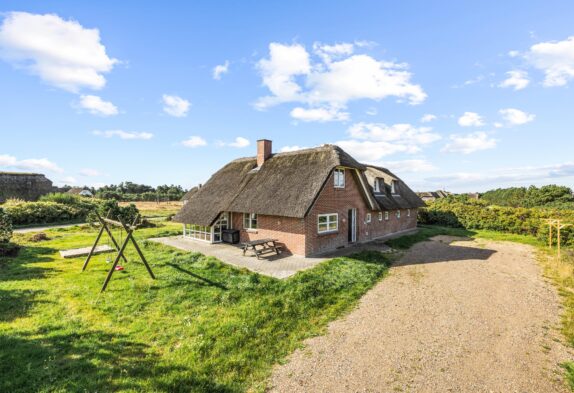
<point x="454" y="315"/>
<point x="46" y="228"/>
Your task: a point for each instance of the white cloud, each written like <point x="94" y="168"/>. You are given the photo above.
<point x="372" y="141"/>
<point x="35" y="164"/>
<point x="372" y="111"/>
<point x="409" y="166"/>
<point x="240" y="142"/>
<point x="516" y="117"/>
<point x="517" y="79"/>
<point x="123" y="134"/>
<point x="220" y="69"/>
<point x="428" y="118"/>
<point x="70" y="180"/>
<point x="470" y="119"/>
<point x="332" y="78"/>
<point x="61" y="52"/>
<point x="175" y="106"/>
<point x="286" y="149"/>
<point x="319" y="114"/>
<point x="469" y="143"/>
<point x="96" y="106"/>
<point x="88" y="172"/>
<point x="555" y="59"/>
<point x="194" y="141"/>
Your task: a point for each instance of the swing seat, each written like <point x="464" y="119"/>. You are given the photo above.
<point x="119" y="268"/>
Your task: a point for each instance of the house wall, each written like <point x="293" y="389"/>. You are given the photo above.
<point x="289" y="231"/>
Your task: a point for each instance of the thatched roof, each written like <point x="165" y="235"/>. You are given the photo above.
<point x="403" y="198"/>
<point x="287" y="184"/>
<point x="187" y="196"/>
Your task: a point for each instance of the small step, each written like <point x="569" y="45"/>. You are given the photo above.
<point x="79" y="252"/>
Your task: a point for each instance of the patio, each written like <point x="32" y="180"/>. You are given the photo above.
<point x="278" y="266"/>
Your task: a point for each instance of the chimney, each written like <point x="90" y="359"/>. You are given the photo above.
<point x="263" y="151"/>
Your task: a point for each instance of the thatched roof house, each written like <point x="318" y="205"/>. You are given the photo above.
<point x="290" y="188"/>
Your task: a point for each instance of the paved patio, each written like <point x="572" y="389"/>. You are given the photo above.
<point x="279" y="266"/>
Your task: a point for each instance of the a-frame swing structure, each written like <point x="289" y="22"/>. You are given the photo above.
<point x="104" y="222"/>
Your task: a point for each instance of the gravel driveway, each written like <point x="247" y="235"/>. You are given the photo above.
<point x="454" y="315"/>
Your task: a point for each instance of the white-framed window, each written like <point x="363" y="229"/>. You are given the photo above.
<point x="368" y="218"/>
<point x="398" y="213"/>
<point x="393" y="186"/>
<point x="380" y="216"/>
<point x="198" y="232"/>
<point x="339" y="178"/>
<point x="377" y="187"/>
<point x="408" y="212"/>
<point x="249" y="220"/>
<point x="327" y="223"/>
<point x="387" y="216"/>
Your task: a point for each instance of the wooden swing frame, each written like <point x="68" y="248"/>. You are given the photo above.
<point x="104" y="222"/>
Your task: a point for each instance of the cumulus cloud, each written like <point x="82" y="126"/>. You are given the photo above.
<point x="127" y="135"/>
<point x="516" y="117"/>
<point x="555" y="59"/>
<point x="517" y="79"/>
<point x="372" y="141"/>
<point x="96" y="106"/>
<point x="220" y="69"/>
<point x="34" y="164"/>
<point x="470" y="119"/>
<point x="61" y="52"/>
<point x="239" y="142"/>
<point x="286" y="149"/>
<point x="428" y="118"/>
<point x="88" y="172"/>
<point x="334" y="76"/>
<point x="321" y="115"/>
<point x="194" y="141"/>
<point x="175" y="105"/>
<point x="469" y="143"/>
<point x="409" y="166"/>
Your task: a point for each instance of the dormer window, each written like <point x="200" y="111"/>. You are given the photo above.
<point x="394" y="188"/>
<point x="339" y="178"/>
<point x="377" y="187"/>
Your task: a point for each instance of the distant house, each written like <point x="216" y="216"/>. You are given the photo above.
<point x="312" y="201"/>
<point x="433" y="195"/>
<point x="26" y="186"/>
<point x="80" y="191"/>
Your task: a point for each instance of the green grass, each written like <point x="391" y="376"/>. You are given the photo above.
<point x="202" y="326"/>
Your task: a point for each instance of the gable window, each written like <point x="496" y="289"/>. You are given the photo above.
<point x="339" y="176"/>
<point x="393" y="187"/>
<point x="327" y="223"/>
<point x="386" y="216"/>
<point x="377" y="186"/>
<point x="398" y="214"/>
<point x="380" y="216"/>
<point x="249" y="220"/>
<point x="368" y="218"/>
<point x="408" y="212"/>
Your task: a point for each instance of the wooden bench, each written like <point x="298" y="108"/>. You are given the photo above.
<point x="261" y="247"/>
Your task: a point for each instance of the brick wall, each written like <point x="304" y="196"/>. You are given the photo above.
<point x="289" y="231"/>
<point x="377" y="229"/>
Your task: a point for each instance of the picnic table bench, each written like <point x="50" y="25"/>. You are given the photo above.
<point x="261" y="247"/>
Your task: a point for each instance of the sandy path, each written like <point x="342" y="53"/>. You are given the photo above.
<point x="464" y="316"/>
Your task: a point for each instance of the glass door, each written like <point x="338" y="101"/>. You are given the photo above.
<point x="221" y="225"/>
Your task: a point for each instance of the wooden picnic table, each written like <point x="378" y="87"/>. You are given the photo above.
<point x="261" y="247"/>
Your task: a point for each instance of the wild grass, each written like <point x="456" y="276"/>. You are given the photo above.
<point x="202" y="326"/>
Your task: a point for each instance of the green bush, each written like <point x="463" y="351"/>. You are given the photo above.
<point x="111" y="209"/>
<point x="473" y="214"/>
<point x="24" y="213"/>
<point x="5" y="227"/>
<point x="65" y="198"/>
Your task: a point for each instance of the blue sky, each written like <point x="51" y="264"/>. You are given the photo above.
<point x="457" y="95"/>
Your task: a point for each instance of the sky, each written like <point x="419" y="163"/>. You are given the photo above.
<point x="462" y="96"/>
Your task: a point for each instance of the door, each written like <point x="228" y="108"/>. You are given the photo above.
<point x="352" y="225"/>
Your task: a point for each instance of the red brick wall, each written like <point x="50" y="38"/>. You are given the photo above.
<point x="289" y="231"/>
<point x="382" y="228"/>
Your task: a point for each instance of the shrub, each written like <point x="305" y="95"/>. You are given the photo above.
<point x="59" y="197"/>
<point x="5" y="227"/>
<point x="24" y="213"/>
<point x="114" y="211"/>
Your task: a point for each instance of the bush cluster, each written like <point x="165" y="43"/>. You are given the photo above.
<point x="473" y="214"/>
<point x="24" y="213"/>
<point x="5" y="227"/>
<point x="111" y="209"/>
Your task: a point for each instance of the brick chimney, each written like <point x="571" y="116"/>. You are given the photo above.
<point x="263" y="151"/>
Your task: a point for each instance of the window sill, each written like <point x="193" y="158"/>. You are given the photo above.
<point x="249" y="230"/>
<point x="327" y="233"/>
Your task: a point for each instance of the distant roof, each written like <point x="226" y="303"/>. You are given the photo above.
<point x="21" y="174"/>
<point x="78" y="190"/>
<point x="404" y="198"/>
<point x="287" y="184"/>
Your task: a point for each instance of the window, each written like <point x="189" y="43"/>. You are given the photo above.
<point x="339" y="175"/>
<point x="368" y="218"/>
<point x="393" y="186"/>
<point x="408" y="212"/>
<point x="377" y="187"/>
<point x="198" y="232"/>
<point x="327" y="223"/>
<point x="398" y="214"/>
<point x="386" y="216"/>
<point x="380" y="216"/>
<point x="249" y="220"/>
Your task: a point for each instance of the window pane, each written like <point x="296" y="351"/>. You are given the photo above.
<point x="333" y="217"/>
<point x="323" y="227"/>
<point x="333" y="226"/>
<point x="322" y="219"/>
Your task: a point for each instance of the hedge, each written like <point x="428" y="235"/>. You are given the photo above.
<point x="5" y="227"/>
<point x="24" y="213"/>
<point x="472" y="214"/>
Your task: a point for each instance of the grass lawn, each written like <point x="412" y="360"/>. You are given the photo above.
<point x="202" y="326"/>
